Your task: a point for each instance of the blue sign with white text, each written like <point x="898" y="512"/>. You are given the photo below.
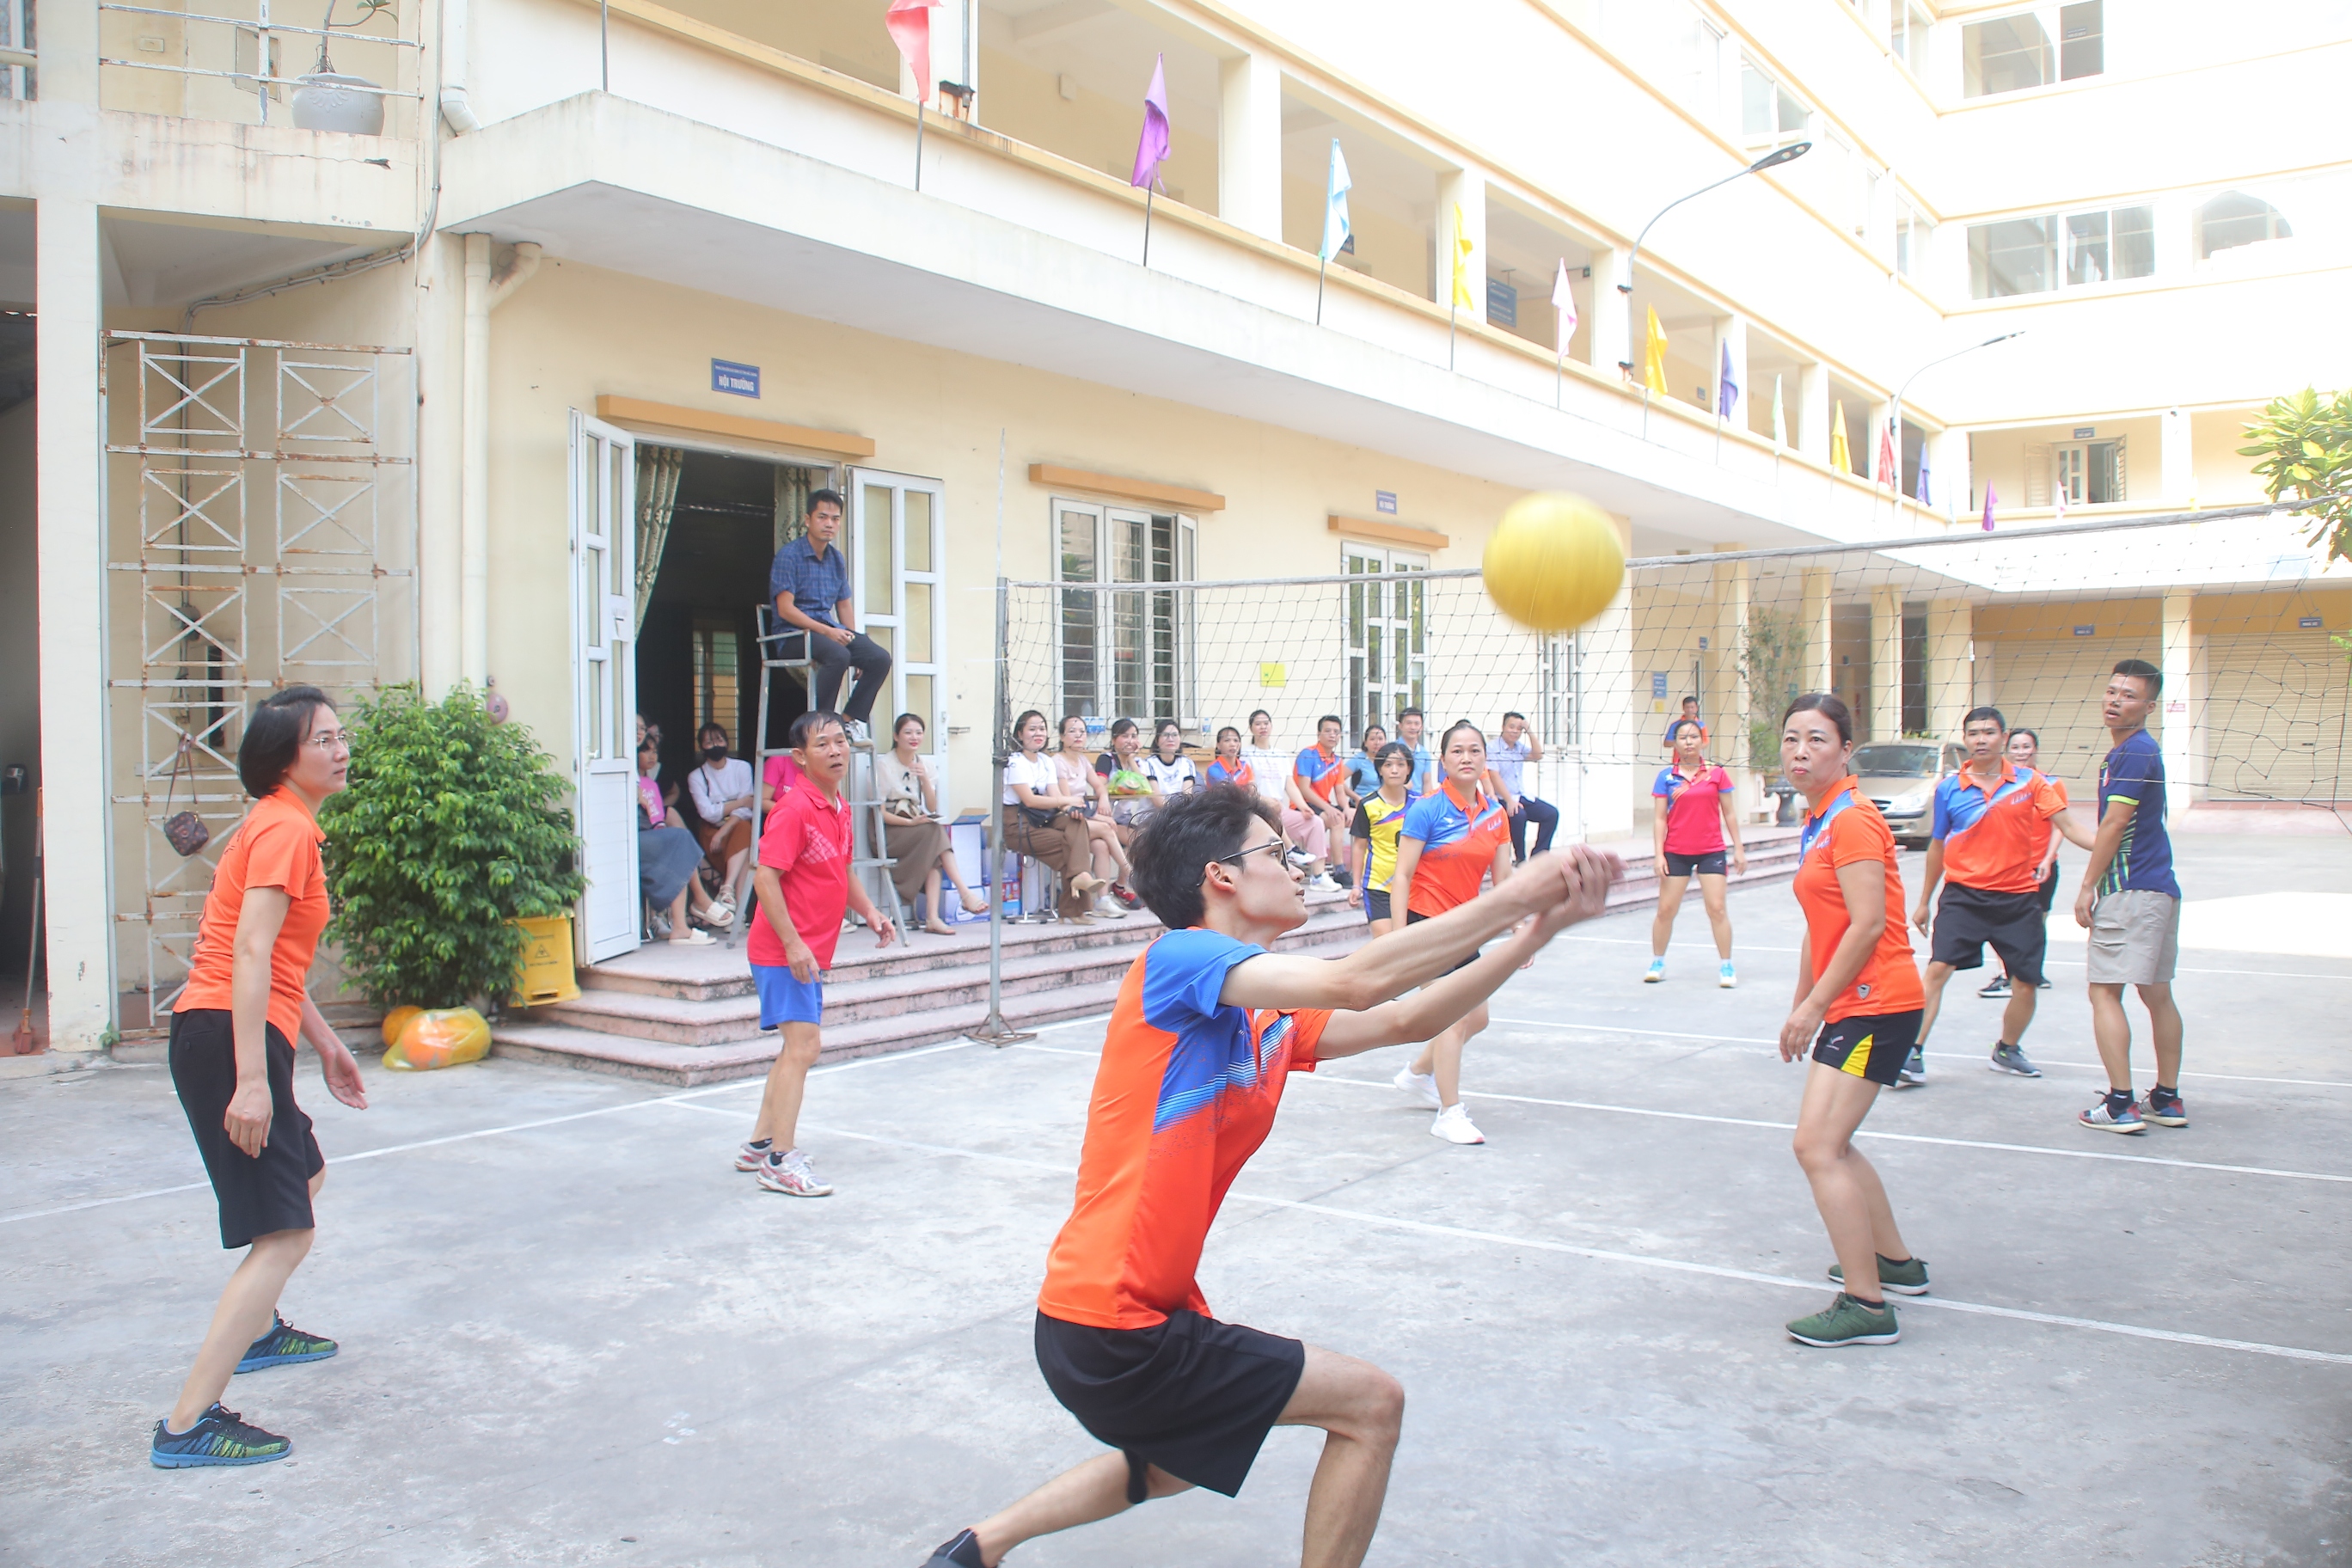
<point x="2085" y="631"/>
<point x="1502" y="303"/>
<point x="1657" y="686"/>
<point x="742" y="380"/>
<point x="2308" y="622"/>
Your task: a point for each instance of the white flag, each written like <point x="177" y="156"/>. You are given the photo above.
<point x="1563" y="303"/>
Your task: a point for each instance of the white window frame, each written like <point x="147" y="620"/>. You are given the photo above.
<point x="2049" y="19"/>
<point x="1357" y="557"/>
<point x="1103" y="609"/>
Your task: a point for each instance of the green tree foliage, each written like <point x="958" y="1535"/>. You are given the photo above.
<point x="450" y="826"/>
<point x="1776" y="667"/>
<point x="2304" y="443"/>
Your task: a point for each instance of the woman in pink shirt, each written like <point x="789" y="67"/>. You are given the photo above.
<point x="1693" y="813"/>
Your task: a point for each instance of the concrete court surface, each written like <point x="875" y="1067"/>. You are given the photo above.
<point x="571" y="1334"/>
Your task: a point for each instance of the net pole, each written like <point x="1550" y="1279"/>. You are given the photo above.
<point x="993" y="1030"/>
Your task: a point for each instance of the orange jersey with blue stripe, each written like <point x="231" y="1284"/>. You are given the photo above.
<point x="1186" y="1092"/>
<point x="1995" y="836"/>
<point x="1458" y="840"/>
<point x="1847" y="830"/>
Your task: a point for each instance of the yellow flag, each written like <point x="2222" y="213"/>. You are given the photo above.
<point x="1653" y="356"/>
<point x="1461" y="248"/>
<point x="1841" y="458"/>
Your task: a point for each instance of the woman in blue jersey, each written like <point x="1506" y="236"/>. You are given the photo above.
<point x="1692" y="815"/>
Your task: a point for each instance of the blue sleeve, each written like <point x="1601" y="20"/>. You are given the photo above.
<point x="1419" y="818"/>
<point x="1942" y="827"/>
<point x="1184" y="971"/>
<point x="2136" y="768"/>
<point x="781" y="578"/>
<point x="1665" y="785"/>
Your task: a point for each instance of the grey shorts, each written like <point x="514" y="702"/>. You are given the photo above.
<point x="2135" y="939"/>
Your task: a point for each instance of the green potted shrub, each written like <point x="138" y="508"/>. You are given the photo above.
<point x="452" y="827"/>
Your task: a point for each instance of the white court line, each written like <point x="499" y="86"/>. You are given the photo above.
<point x="2059" y="963"/>
<point x="1640" y="1032"/>
<point x="1790" y="1127"/>
<point x="688" y="1095"/>
<point x="1638" y="1260"/>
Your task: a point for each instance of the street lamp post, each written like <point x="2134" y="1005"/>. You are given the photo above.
<point x="1771" y="160"/>
<point x="1895" y="410"/>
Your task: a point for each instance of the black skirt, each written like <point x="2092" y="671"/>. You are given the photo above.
<point x="1193" y="1395"/>
<point x="257" y="1196"/>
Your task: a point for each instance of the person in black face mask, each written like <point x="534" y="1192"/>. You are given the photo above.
<point x="721" y="787"/>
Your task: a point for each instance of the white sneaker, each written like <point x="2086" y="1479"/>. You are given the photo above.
<point x="1321" y="882"/>
<point x="790" y="1174"/>
<point x="1105" y="909"/>
<point x="1454" y="1126"/>
<point x="1421" y="1086"/>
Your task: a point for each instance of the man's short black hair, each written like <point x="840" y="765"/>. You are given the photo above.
<point x="1979" y="715"/>
<point x="273" y="737"/>
<point x="1330" y="719"/>
<point x="1172" y="850"/>
<point x="817" y="498"/>
<point x="809" y="726"/>
<point x="1690" y="702"/>
<point x="1405" y="713"/>
<point x="1511" y="713"/>
<point x="2145" y="671"/>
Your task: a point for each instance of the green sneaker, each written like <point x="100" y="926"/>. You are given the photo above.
<point x="1908" y="1278"/>
<point x="283" y="1345"/>
<point x="1847" y="1322"/>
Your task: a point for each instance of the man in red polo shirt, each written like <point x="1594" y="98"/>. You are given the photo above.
<point x="803" y="884"/>
<point x="1991" y="825"/>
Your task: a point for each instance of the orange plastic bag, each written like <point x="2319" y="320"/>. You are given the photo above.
<point x="396" y="1021"/>
<point x="442" y="1039"/>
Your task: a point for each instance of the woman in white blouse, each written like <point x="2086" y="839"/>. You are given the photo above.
<point x="1041" y="818"/>
<point x="912" y="830"/>
<point x="1169" y="769"/>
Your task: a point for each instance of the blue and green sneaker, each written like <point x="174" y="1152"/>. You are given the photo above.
<point x="1847" y="1322"/>
<point x="220" y="1436"/>
<point x="284" y="1344"/>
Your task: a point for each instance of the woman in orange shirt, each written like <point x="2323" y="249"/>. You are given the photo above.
<point x="233" y="1033"/>
<point x="1857" y="986"/>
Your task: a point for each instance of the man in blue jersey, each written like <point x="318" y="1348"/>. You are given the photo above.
<point x="2131" y="906"/>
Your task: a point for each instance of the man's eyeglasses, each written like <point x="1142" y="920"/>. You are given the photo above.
<point x="329" y="740"/>
<point x="1236" y="857"/>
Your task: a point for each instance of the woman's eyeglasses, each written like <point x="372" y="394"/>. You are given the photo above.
<point x="327" y="741"/>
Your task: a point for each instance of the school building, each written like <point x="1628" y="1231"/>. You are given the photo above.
<point x="501" y="342"/>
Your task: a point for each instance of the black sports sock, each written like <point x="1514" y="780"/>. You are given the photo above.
<point x="2118" y="1098"/>
<point x="2167" y="1093"/>
<point x="1877" y="1306"/>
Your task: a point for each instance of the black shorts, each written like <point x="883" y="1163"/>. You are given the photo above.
<point x="1967" y="917"/>
<point x="1412" y="915"/>
<point x="1376" y="903"/>
<point x="1868" y="1046"/>
<point x="2049" y="891"/>
<point x="257" y="1196"/>
<point x="1715" y="864"/>
<point x="1193" y="1395"/>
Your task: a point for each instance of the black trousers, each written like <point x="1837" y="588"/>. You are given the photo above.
<point x="834" y="662"/>
<point x="1546" y="817"/>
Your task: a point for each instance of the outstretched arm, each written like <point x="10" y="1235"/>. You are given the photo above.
<point x="1387" y="966"/>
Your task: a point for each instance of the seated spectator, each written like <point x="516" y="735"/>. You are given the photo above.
<point x="722" y="788"/>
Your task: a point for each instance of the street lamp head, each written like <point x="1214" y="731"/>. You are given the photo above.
<point x="2002" y="339"/>
<point x="1779" y="155"/>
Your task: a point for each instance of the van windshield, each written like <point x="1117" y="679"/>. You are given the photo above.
<point x="1896" y="761"/>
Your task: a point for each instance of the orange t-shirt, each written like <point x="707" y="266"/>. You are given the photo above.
<point x="276" y="847"/>
<point x="1994" y="836"/>
<point x="1849" y="829"/>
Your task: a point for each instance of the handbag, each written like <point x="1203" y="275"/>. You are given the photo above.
<point x="1041" y="816"/>
<point x="184" y="830"/>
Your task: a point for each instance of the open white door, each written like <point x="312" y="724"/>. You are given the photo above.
<point x="898" y="552"/>
<point x="604" y="635"/>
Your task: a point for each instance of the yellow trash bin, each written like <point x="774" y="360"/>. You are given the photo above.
<point x="545" y="975"/>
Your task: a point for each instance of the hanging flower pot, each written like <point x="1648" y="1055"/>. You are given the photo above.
<point x="329" y="100"/>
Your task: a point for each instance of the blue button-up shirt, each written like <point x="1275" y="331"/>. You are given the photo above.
<point x="817" y="582"/>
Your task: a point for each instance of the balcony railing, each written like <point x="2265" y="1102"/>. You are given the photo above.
<point x="253" y="69"/>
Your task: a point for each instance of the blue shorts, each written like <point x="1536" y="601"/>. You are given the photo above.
<point x="784" y="1000"/>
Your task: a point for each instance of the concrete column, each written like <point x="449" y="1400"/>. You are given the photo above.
<point x="1731" y="333"/>
<point x="1726" y="699"/>
<point x="1613" y="710"/>
<point x="1612" y="313"/>
<point x="440" y="458"/>
<point x="1813" y="413"/>
<point x="1886" y="664"/>
<point x="1249" y="144"/>
<point x="1821" y="662"/>
<point x="1464" y="189"/>
<point x="2175" y="461"/>
<point x="2182" y="707"/>
<point x="70" y="526"/>
<point x="474" y="498"/>
<point x="1880" y="413"/>
<point x="1951" y="690"/>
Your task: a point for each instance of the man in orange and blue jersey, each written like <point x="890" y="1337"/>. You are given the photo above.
<point x="1208" y="1027"/>
<point x="1322" y="780"/>
<point x="1991" y="827"/>
<point x="1452" y="839"/>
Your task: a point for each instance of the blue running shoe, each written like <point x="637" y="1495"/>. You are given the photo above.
<point x="220" y="1436"/>
<point x="1726" y="977"/>
<point x="283" y="1345"/>
<point x="1656" y="971"/>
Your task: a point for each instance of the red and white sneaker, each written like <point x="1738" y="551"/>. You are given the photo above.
<point x="791" y="1174"/>
<point x="751" y="1157"/>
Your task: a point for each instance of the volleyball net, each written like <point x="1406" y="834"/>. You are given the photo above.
<point x="2252" y="631"/>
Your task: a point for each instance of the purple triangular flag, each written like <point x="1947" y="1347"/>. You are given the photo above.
<point x="1151" y="147"/>
<point x="1988" y="500"/>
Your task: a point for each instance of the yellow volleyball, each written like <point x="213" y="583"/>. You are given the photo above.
<point x="1553" y="562"/>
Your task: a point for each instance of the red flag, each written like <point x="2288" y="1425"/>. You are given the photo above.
<point x="1889" y="471"/>
<point x="909" y="22"/>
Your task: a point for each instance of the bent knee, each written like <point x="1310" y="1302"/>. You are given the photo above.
<point x="1816" y="1151"/>
<point x="1383" y="1414"/>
